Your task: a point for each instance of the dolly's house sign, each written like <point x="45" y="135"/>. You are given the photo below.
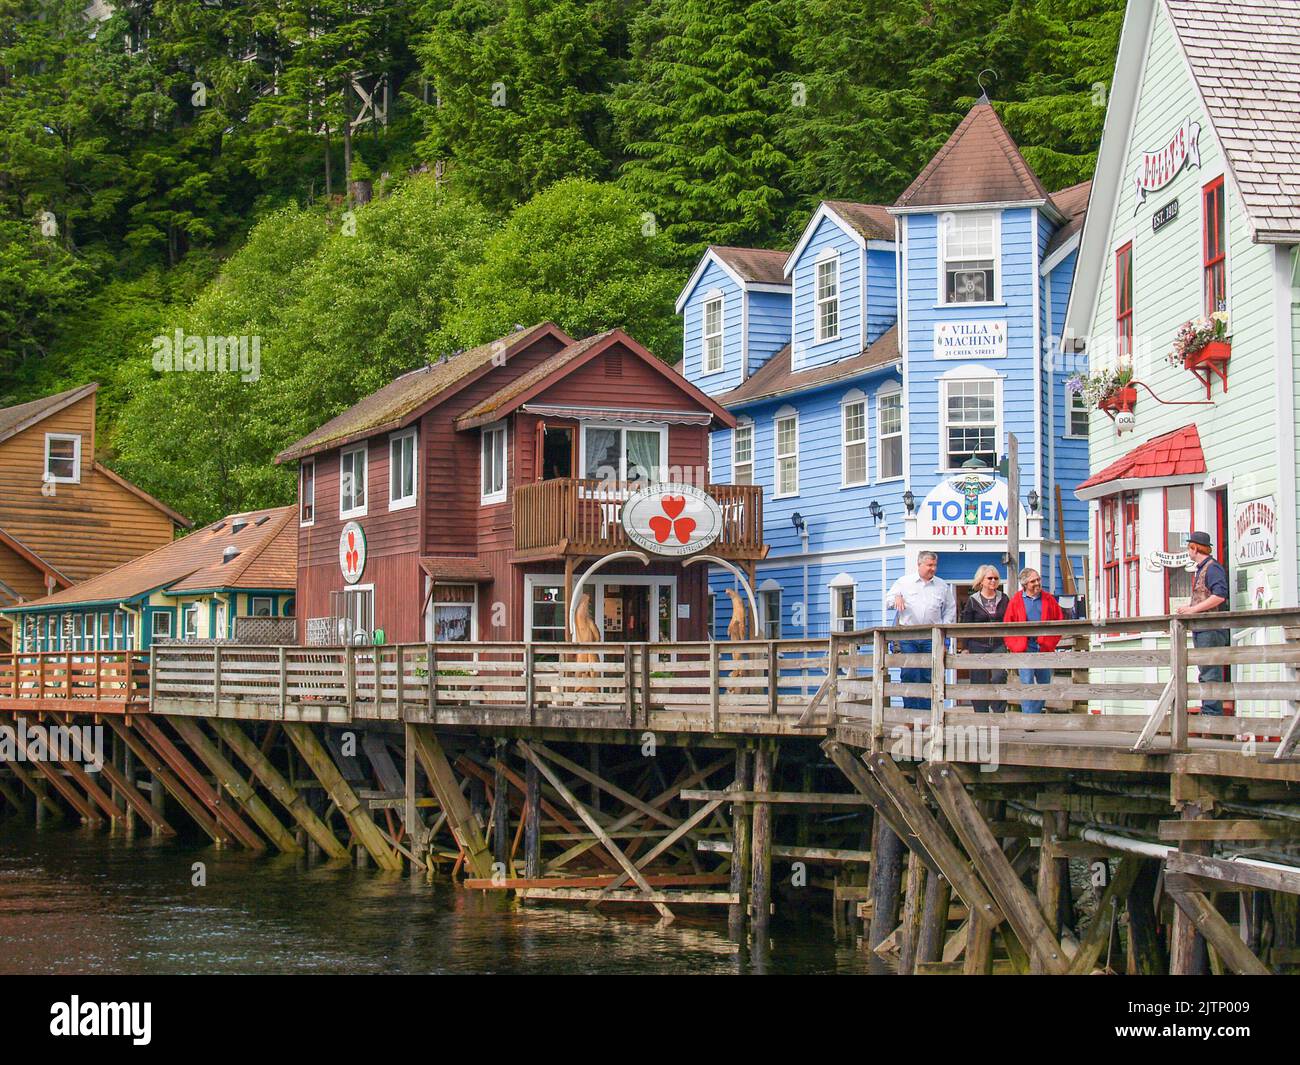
<point x="1254" y="526"/>
<point x="1157" y="168"/>
<point x="1162" y="560"/>
<point x="971" y="506"/>
<point x="352" y="552"/>
<point x="970" y="340"/>
<point x="672" y="519"/>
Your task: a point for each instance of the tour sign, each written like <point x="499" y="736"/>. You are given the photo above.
<point x="970" y="506"/>
<point x="1254" y="525"/>
<point x="352" y="552"/>
<point x="672" y="519"/>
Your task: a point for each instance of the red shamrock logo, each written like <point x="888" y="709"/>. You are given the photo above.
<point x="662" y="524"/>
<point x="352" y="557"/>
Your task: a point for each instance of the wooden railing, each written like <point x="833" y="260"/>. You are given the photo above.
<point x="584" y="517"/>
<point x="98" y="681"/>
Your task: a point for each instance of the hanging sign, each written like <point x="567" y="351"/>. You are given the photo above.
<point x="970" y="340"/>
<point x="1157" y="168"/>
<point x="970" y="506"/>
<point x="352" y="552"/>
<point x="1165" y="215"/>
<point x="671" y="519"/>
<point x="1161" y="560"/>
<point x="1254" y="526"/>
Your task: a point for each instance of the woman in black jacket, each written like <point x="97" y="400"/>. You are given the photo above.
<point x="987" y="604"/>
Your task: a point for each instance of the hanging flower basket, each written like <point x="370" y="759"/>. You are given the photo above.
<point x="1121" y="399"/>
<point x="1204" y="347"/>
<point x="1106" y="390"/>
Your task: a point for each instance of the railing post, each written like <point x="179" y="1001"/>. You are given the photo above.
<point x="283" y="663"/>
<point x="216" y="677"/>
<point x="879" y="674"/>
<point x="937" y="683"/>
<point x="715" y="697"/>
<point x="530" y="682"/>
<point x="350" y="678"/>
<point x="153" y="678"/>
<point x="94" y="657"/>
<point x="833" y="677"/>
<point x="40" y="676"/>
<point x="645" y="684"/>
<point x="629" y="683"/>
<point x="431" y="682"/>
<point x="401" y="681"/>
<point x="1178" y="666"/>
<point x="773" y="679"/>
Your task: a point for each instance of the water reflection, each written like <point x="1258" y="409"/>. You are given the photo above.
<point x="72" y="900"/>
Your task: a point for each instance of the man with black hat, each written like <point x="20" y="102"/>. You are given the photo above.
<point x="1209" y="592"/>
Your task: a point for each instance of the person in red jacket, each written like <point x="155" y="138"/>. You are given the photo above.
<point x="1031" y="603"/>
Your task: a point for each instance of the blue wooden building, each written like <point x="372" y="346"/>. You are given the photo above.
<point x="867" y="367"/>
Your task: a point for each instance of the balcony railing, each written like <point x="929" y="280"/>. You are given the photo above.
<point x="568" y="516"/>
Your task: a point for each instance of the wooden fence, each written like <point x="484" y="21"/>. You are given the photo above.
<point x="97" y="681"/>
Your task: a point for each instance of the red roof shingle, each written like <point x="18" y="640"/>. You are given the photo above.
<point x="1174" y="454"/>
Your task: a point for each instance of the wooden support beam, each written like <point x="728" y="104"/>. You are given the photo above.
<point x="12" y="797"/>
<point x="364" y="829"/>
<point x="37" y="787"/>
<point x="532" y="821"/>
<point x="460" y="819"/>
<point x="1262" y="878"/>
<point x="238" y="788"/>
<point x="1012" y="896"/>
<point x="740" y="848"/>
<point x="500" y="806"/>
<point x="291" y="798"/>
<point x="934" y="918"/>
<point x="1218" y="933"/>
<point x="887" y="850"/>
<point x="602" y="784"/>
<point x="778" y="798"/>
<point x="1232" y="830"/>
<point x="913" y="909"/>
<point x="761" y="844"/>
<point x="1104" y="917"/>
<point x="578" y="808"/>
<point x="162" y="776"/>
<point x="89" y="814"/>
<point x="76" y="775"/>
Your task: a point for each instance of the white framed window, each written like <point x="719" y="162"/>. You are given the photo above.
<point x="63" y="458"/>
<point x="352" y="482"/>
<point x="713" y="352"/>
<point x="969" y="409"/>
<point x="190" y="618"/>
<point x="261" y="606"/>
<point x="455" y="612"/>
<point x="1076" y="415"/>
<point x="307" y="492"/>
<point x="742" y="453"/>
<point x="162" y="624"/>
<point x="969" y="252"/>
<point x="828" y="299"/>
<point x="492" y="464"/>
<point x="769" y="609"/>
<point x="787" y="454"/>
<point x="853" y="439"/>
<point x="613" y="452"/>
<point x="78" y="632"/>
<point x="889" y="435"/>
<point x="401" y="470"/>
<point x="844" y="604"/>
<point x="359" y="610"/>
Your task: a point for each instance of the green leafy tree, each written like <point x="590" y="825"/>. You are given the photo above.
<point x="40" y="283"/>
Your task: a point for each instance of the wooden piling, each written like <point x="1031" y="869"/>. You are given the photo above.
<point x="741" y="855"/>
<point x="761" y="845"/>
<point x="934" y="919"/>
<point x="532" y="822"/>
<point x="887" y="878"/>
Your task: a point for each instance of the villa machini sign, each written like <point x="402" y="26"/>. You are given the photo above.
<point x="969" y="506"/>
<point x="352" y="552"/>
<point x="970" y="340"/>
<point x="1158" y="167"/>
<point x="672" y="519"/>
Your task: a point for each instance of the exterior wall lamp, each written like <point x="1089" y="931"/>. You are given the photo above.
<point x="1032" y="500"/>
<point x="909" y="501"/>
<point x="876" y="511"/>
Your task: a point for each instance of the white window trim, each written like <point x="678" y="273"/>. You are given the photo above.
<point x="886" y="393"/>
<point x="404" y="502"/>
<point x="828" y="256"/>
<point x="780" y="416"/>
<point x="154" y="617"/>
<point x="356" y="590"/>
<point x="498" y="496"/>
<point x="1070" y="397"/>
<point x="76" y="458"/>
<point x="253" y="600"/>
<point x="963" y="375"/>
<point x="642" y="427"/>
<point x="713" y="296"/>
<point x="185" y="614"/>
<point x="596" y="588"/>
<point x="850" y="398"/>
<point x="747" y="425"/>
<point x="355" y="512"/>
<point x="840" y="584"/>
<point x="941" y="299"/>
<point x="764" y="597"/>
<point x="430" y="620"/>
<point x="302" y="468"/>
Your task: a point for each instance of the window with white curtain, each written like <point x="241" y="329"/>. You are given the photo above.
<point x="624" y="453"/>
<point x="742" y="459"/>
<point x="493" y="464"/>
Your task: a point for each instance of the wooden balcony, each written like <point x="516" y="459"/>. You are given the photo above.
<point x="568" y="516"/>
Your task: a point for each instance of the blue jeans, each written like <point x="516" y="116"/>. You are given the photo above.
<point x="1034" y="676"/>
<point x="1211" y="674"/>
<point x="915" y="676"/>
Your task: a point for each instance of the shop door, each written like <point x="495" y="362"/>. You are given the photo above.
<point x="557" y="452"/>
<point x="627" y="613"/>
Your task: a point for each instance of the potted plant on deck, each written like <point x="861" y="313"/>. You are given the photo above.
<point x="1203" y="346"/>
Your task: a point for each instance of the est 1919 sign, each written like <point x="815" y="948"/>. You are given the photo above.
<point x="1164" y="216"/>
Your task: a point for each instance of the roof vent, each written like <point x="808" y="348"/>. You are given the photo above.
<point x="263" y="519"/>
<point x="613" y="364"/>
<point x="237" y="524"/>
<point x="219" y="526"/>
<point x="230" y="552"/>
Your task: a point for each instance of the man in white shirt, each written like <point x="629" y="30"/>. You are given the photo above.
<point x="921" y="598"/>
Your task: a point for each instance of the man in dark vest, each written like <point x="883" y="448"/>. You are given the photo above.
<point x="1209" y="592"/>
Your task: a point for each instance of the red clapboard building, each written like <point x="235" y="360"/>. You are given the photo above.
<point x="463" y="500"/>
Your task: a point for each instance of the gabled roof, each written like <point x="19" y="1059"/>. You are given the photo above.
<point x="980" y="163"/>
<point x="177" y="517"/>
<point x="1245" y="59"/>
<point x="1073" y="203"/>
<point x="861" y="221"/>
<point x="267" y="558"/>
<point x="747" y="267"/>
<point x="31" y="557"/>
<point x="15" y="419"/>
<point x="1174" y="454"/>
<point x="407" y="397"/>
<point x="576" y="354"/>
<point x="775" y="377"/>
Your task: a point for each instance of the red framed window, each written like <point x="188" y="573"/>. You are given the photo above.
<point x="1110" y="572"/>
<point x="1124" y="301"/>
<point x="1214" y="216"/>
<point x="1180" y="522"/>
<point x="1132" y="554"/>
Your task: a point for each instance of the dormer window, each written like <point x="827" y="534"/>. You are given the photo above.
<point x="828" y="299"/>
<point x="62" y="458"/>
<point x="713" y="335"/>
<point x="968" y="243"/>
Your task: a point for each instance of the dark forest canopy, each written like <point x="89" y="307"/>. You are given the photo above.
<point x="203" y="167"/>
